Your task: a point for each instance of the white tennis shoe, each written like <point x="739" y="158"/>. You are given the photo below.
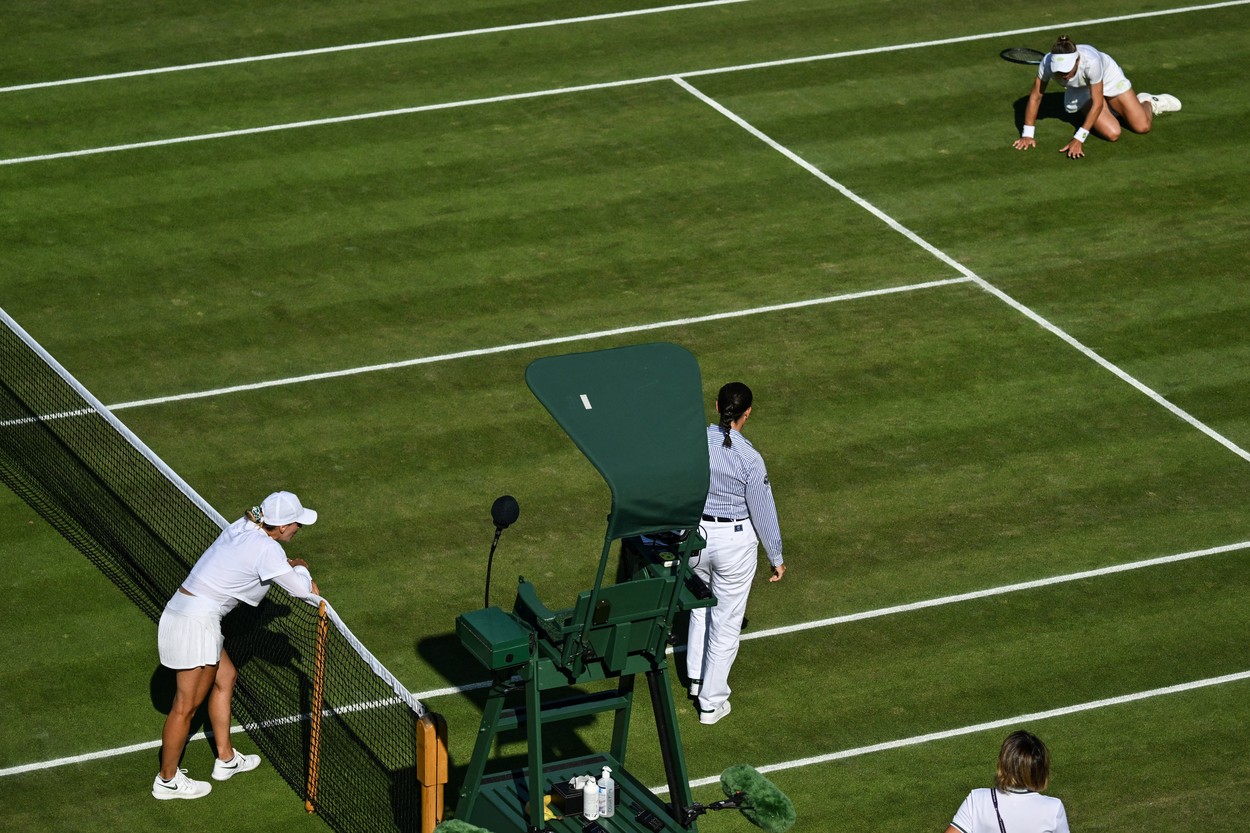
<point x="1163" y="103"/>
<point x="223" y="770"/>
<point x="707" y="718"/>
<point x="180" y="786"/>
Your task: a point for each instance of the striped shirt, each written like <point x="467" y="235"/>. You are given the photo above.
<point x="739" y="488"/>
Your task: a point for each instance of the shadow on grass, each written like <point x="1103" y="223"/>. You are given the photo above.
<point x="1052" y="108"/>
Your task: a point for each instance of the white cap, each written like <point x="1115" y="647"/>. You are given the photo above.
<point x="282" y="508"/>
<point x="1062" y="62"/>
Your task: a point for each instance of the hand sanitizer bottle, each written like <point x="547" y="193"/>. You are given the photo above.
<point x="607" y="794"/>
<point x="590" y="799"/>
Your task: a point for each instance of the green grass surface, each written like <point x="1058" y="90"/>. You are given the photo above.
<point x="922" y="444"/>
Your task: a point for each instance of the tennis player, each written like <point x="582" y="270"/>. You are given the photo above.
<point x="238" y="567"/>
<point x="1095" y="86"/>
<point x="1015" y="802"/>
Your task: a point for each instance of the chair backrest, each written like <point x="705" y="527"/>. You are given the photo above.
<point x="628" y="619"/>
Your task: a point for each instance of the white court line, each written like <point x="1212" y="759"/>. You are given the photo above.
<point x="995" y="591"/>
<point x="547" y="342"/>
<point x="352" y="47"/>
<point x="1158" y="398"/>
<point x="820" y="623"/>
<point x="425" y="108"/>
<point x="983" y="727"/>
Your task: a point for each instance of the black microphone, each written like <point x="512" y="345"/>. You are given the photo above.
<point x="504" y="513"/>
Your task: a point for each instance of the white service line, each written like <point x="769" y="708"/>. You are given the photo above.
<point x="820" y="623"/>
<point x="547" y="342"/>
<point x="352" y="47"/>
<point x="403" y="111"/>
<point x="965" y="271"/>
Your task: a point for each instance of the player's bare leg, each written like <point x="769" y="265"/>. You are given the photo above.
<point x="192" y="687"/>
<point x="1136" y="116"/>
<point x="219" y="706"/>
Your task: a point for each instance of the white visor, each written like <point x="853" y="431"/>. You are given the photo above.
<point x="1062" y="62"/>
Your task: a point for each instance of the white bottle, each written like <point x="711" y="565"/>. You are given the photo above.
<point x="607" y="794"/>
<point x="590" y="799"/>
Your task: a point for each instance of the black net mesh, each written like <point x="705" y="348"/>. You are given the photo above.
<point x="143" y="528"/>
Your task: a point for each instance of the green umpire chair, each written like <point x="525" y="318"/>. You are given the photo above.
<point x="637" y="414"/>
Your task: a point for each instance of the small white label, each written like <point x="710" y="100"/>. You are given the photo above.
<point x="585" y="401"/>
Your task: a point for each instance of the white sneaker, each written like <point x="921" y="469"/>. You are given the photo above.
<point x="709" y="717"/>
<point x="222" y="770"/>
<point x="1160" y="103"/>
<point x="180" y="786"/>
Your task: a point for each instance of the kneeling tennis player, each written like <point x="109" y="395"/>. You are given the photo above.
<point x="1094" y="85"/>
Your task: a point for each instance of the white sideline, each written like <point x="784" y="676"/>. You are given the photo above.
<point x="352" y="47"/>
<point x="423" y="108"/>
<point x="1003" y="723"/>
<point x="820" y="623"/>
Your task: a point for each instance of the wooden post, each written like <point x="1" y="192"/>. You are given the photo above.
<point x="318" y="698"/>
<point x="431" y="768"/>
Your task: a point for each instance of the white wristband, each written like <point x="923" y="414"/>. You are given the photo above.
<point x="1081" y="134"/>
<point x="1026" y="132"/>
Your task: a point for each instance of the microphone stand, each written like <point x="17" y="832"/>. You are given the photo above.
<point x="489" y="561"/>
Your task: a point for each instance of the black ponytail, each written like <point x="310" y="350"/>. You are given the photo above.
<point x="733" y="401"/>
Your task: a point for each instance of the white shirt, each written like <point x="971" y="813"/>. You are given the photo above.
<point x="1090" y="69"/>
<point x="240" y="565"/>
<point x="1023" y="812"/>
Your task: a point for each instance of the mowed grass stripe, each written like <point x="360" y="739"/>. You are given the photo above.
<point x="509" y="348"/>
<point x="602" y="85"/>
<point x="352" y="47"/>
<point x="977" y="595"/>
<point x="1038" y="319"/>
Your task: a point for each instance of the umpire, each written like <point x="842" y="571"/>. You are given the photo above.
<point x="738" y="514"/>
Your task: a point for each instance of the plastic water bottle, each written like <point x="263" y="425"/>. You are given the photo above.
<point x="607" y="794"/>
<point x="590" y="799"/>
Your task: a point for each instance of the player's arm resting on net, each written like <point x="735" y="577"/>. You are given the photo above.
<point x="297" y="581"/>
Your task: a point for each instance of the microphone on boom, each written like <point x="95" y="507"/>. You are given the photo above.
<point x="504" y="513"/>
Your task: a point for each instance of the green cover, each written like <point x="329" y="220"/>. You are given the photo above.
<point x="637" y="414"/>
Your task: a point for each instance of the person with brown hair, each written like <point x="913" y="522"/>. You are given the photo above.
<point x="1015" y="803"/>
<point x="738" y="514"/>
<point x="1094" y="85"/>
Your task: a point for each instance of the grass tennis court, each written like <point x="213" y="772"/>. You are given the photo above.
<point x="974" y="368"/>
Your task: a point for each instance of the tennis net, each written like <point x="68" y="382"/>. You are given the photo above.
<point x="100" y="487"/>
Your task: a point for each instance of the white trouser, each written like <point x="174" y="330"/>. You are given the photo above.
<point x="727" y="565"/>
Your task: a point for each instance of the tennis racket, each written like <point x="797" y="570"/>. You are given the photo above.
<point x="1022" y="55"/>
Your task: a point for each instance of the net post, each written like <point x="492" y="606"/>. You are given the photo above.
<point x="431" y="767"/>
<point x="318" y="698"/>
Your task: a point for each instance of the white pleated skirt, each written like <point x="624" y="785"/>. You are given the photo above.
<point x="189" y="634"/>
